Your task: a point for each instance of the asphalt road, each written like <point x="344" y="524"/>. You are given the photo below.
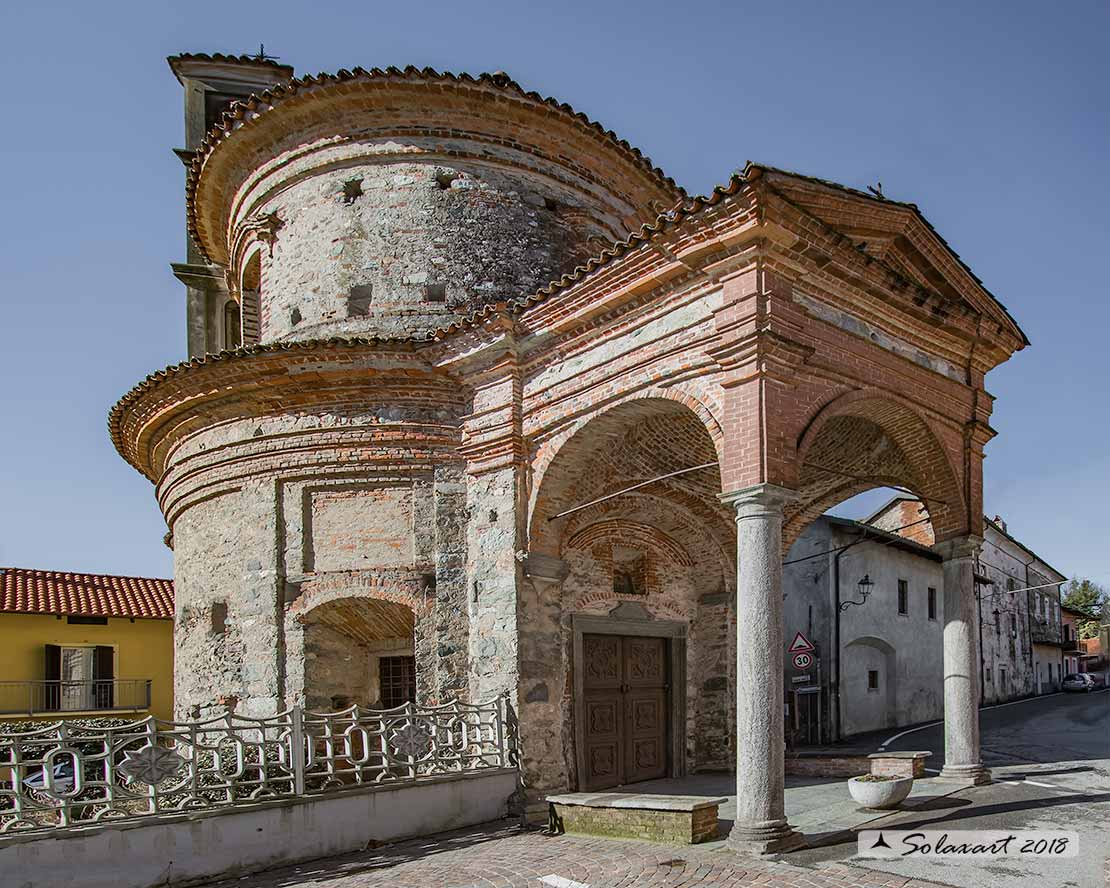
<point x="1050" y="758"/>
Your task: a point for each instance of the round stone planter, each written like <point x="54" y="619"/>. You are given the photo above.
<point x="881" y="794"/>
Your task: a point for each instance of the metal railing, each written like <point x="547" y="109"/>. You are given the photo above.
<point x="39" y="697"/>
<point x="68" y="774"/>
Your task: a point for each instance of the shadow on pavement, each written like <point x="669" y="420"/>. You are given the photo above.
<point x="954" y="810"/>
<point x="1021" y="775"/>
<point x="327" y="869"/>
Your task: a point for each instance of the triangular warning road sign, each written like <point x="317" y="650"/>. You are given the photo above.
<point x="800" y="645"/>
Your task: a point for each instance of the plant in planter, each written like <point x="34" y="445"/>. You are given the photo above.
<point x="878" y="791"/>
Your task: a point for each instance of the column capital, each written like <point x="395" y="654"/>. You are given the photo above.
<point x="959" y="548"/>
<point x="759" y="499"/>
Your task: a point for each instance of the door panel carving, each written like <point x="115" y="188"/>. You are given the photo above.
<point x="602" y="655"/>
<point x="625" y="711"/>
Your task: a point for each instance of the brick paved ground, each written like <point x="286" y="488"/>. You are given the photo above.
<point x="505" y="857"/>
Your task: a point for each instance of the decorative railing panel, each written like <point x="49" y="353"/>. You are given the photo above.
<point x="68" y="773"/>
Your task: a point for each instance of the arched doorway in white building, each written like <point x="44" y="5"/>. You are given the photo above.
<point x="869" y="685"/>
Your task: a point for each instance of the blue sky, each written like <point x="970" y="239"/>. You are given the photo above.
<point x="993" y="117"/>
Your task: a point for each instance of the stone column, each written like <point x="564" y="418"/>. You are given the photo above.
<point x="961" y="663"/>
<point x="760" y="826"/>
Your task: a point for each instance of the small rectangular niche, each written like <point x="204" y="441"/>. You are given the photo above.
<point x="218" y="617"/>
<point x="435" y="292"/>
<point x="359" y="300"/>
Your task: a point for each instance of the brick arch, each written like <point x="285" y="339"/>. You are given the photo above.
<point x="698" y="530"/>
<point x="871" y="438"/>
<point x="552" y="448"/>
<point x="799" y="518"/>
<point x="687" y="434"/>
<point x="406" y="589"/>
<point x="633" y="533"/>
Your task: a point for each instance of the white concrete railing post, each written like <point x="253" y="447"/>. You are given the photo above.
<point x="297" y="749"/>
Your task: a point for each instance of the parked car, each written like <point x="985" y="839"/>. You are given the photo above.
<point x="63" y="777"/>
<point x="1079" y="681"/>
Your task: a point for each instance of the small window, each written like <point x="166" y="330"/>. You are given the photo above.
<point x="988" y="673"/>
<point x="932" y="603"/>
<point x="1013" y="626"/>
<point x="435" y="292"/>
<point x="398" y="681"/>
<point x="872" y="679"/>
<point x="86" y="621"/>
<point x="1002" y="675"/>
<point x="903" y="597"/>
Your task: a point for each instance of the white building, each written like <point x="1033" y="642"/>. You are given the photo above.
<point x="867" y="596"/>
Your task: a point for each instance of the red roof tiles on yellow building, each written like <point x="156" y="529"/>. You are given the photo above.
<point x="91" y="595"/>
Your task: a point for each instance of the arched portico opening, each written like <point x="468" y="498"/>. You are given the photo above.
<point x="357" y="651"/>
<point x="631" y="604"/>
<point x="919" y="606"/>
<point x="866" y="440"/>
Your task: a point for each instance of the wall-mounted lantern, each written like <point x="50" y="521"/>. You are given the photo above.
<point x="865" y="586"/>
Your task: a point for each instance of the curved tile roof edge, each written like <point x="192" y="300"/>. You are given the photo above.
<point x="269" y="98"/>
<point x="158" y="376"/>
<point x="646" y="233"/>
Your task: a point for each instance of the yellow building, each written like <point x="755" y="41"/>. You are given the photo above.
<point x="84" y="645"/>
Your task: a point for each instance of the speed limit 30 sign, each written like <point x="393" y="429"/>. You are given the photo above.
<point x="803" y="661"/>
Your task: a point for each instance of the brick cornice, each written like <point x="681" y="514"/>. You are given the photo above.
<point x="263" y="381"/>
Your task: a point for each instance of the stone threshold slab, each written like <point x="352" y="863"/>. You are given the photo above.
<point x="637" y="800"/>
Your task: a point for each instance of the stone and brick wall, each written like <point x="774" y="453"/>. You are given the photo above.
<point x="750" y="329"/>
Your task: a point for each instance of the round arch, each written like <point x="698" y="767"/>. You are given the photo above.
<point x="692" y="436"/>
<point x="867" y="439"/>
<point x="553" y="449"/>
<point x="664" y="553"/>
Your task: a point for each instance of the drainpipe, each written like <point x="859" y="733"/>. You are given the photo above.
<point x="979" y="607"/>
<point x="1033" y="672"/>
<point x="834" y="676"/>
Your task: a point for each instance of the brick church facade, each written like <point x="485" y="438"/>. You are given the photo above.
<point x="435" y="321"/>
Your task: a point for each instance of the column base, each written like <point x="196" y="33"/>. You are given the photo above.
<point x="972" y="775"/>
<point x="756" y="839"/>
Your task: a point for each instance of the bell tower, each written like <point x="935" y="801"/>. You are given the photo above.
<point x="211" y="83"/>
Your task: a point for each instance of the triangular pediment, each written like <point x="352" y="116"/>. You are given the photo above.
<point x="895" y="233"/>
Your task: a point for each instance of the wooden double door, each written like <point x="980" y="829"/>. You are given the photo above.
<point x="625" y="709"/>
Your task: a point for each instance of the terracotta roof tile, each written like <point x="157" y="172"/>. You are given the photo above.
<point x="27" y="591"/>
<point x="218" y="57"/>
<point x="255" y="105"/>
